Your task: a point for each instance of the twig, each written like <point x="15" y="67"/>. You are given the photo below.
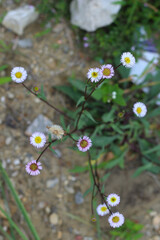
<point x="47" y="102"/>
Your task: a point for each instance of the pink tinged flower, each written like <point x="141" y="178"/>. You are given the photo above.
<point x="107" y="71"/>
<point x="94" y="74"/>
<point x="33" y="168"/>
<point x="116" y="220"/>
<point x="84" y="144"/>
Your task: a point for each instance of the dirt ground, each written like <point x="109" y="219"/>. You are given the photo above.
<point x="52" y="209"/>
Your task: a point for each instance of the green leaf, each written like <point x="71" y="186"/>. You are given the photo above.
<point x="82" y="99"/>
<point x="4" y="80"/>
<point x="3" y="67"/>
<point x="108" y="116"/>
<point x="151" y="150"/>
<point x="41" y="94"/>
<point x="43" y="33"/>
<point x="101" y="141"/>
<point x="104" y="178"/>
<point x="88" y="191"/>
<point x="88" y="114"/>
<point x="78" y="169"/>
<point x="19" y="203"/>
<point x="142" y="169"/>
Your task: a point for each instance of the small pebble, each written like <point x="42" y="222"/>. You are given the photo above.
<point x="88" y="238"/>
<point x="52" y="182"/>
<point x="10" y="95"/>
<point x="8" y="140"/>
<point x="79" y="198"/>
<point x="16" y="161"/>
<point x="156" y="222"/>
<point x="53" y="218"/>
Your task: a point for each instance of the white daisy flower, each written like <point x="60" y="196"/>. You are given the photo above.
<point x="127" y="59"/>
<point x="102" y="209"/>
<point x="94" y="74"/>
<point x="107" y="71"/>
<point x="140" y="109"/>
<point x="33" y="168"/>
<point x="113" y="199"/>
<point x="57" y="131"/>
<point x="116" y="220"/>
<point x="38" y="139"/>
<point x="18" y="74"/>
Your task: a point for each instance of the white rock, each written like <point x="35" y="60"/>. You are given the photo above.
<point x="17" y="19"/>
<point x="156" y="222"/>
<point x="92" y="14"/>
<point x="8" y="140"/>
<point x="53" y="218"/>
<point x="16" y="161"/>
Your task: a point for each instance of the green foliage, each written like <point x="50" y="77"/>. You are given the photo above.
<point x="129" y="231"/>
<point x="54" y="8"/>
<point x="14" y="227"/>
<point x="126" y="28"/>
<point x="109" y="127"/>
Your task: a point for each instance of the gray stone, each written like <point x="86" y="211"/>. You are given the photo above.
<point x="79" y="198"/>
<point x="52" y="182"/>
<point x="17" y="19"/>
<point x="16" y="161"/>
<point x="39" y="125"/>
<point x="8" y="140"/>
<point x="88" y="238"/>
<point x="10" y="95"/>
<point x="1" y="238"/>
<point x="92" y="14"/>
<point x="25" y="43"/>
<point x="69" y="189"/>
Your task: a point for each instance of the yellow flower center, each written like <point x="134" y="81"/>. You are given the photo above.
<point x="115" y="219"/>
<point x="106" y="72"/>
<point x="38" y="139"/>
<point x="93" y="219"/>
<point x="33" y="167"/>
<point x="36" y="89"/>
<point x="83" y="143"/>
<point x="94" y="74"/>
<point x="103" y="209"/>
<point x="127" y="60"/>
<point x="139" y="110"/>
<point x="113" y="199"/>
<point x="18" y="74"/>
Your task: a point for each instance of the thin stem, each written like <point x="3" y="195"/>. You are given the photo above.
<point x="47" y="102"/>
<point x="118" y="66"/>
<point x="97" y="185"/>
<point x="45" y="149"/>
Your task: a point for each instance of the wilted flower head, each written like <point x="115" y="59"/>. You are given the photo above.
<point x="57" y="131"/>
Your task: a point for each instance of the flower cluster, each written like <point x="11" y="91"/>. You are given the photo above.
<point x="84" y="143"/>
<point x="115" y="219"/>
